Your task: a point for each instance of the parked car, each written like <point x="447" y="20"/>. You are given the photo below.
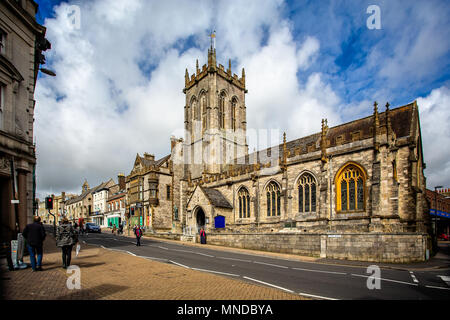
<point x="92" y="227"/>
<point x="444" y="236"/>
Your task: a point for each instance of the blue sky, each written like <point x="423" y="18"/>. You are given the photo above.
<point x="313" y="59"/>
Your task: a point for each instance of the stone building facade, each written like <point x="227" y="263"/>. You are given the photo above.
<point x="22" y="41"/>
<point x="352" y="191"/>
<point x="149" y="193"/>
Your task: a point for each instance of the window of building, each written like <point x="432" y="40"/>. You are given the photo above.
<point x="204" y="113"/>
<point x="195" y="110"/>
<point x="168" y="192"/>
<point x="2" y="42"/>
<point x="222" y="110"/>
<point x="273" y="199"/>
<point x="153" y="190"/>
<point x="350" y="189"/>
<point x="233" y="114"/>
<point x="2" y="103"/>
<point x="244" y="203"/>
<point x="307" y="193"/>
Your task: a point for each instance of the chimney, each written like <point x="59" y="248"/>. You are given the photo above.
<point x="63" y="196"/>
<point x="149" y="156"/>
<point x="121" y="180"/>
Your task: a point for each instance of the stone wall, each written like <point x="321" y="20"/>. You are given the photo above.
<point x="376" y="247"/>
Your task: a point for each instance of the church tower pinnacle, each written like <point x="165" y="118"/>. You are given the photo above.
<point x="215" y="116"/>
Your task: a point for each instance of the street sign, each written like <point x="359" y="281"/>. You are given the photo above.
<point x="15" y="201"/>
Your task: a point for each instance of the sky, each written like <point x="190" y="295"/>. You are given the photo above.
<point x="120" y="69"/>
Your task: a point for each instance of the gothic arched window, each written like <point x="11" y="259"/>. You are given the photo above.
<point x="233" y="114"/>
<point x="195" y="110"/>
<point x="273" y="199"/>
<point x="307" y="193"/>
<point x="244" y="203"/>
<point x="222" y="110"/>
<point x="350" y="188"/>
<point x="203" y="107"/>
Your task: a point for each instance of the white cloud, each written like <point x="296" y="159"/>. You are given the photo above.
<point x="435" y="119"/>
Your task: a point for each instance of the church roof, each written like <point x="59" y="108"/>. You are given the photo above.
<point x="216" y="198"/>
<point x="401" y="119"/>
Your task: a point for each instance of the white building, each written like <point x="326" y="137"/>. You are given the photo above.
<point x="100" y="197"/>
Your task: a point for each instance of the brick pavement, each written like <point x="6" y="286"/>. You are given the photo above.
<point x="112" y="275"/>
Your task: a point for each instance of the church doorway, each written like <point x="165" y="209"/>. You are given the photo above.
<point x="200" y="217"/>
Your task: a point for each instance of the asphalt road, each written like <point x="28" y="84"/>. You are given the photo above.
<point x="317" y="280"/>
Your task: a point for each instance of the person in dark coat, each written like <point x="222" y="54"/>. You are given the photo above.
<point x="202" y="236"/>
<point x="138" y="233"/>
<point x="66" y="237"/>
<point x="35" y="234"/>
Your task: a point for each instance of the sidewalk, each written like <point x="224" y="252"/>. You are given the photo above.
<point x="111" y="275"/>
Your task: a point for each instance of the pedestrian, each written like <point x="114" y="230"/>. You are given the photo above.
<point x="66" y="237"/>
<point x="121" y="228"/>
<point x="114" y="229"/>
<point x="202" y="236"/>
<point x="138" y="233"/>
<point x="35" y="234"/>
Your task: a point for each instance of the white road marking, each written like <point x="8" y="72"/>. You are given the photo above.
<point x="270" y="264"/>
<point x="224" y="273"/>
<point x="315" y="296"/>
<point x="152" y="258"/>
<point x="332" y="272"/>
<point x="204" y="254"/>
<point x="437" y="287"/>
<point x="413" y="277"/>
<point x="390" y="280"/>
<point x="179" y="264"/>
<point x="446" y="279"/>
<point x="163" y="248"/>
<point x="234" y="259"/>
<point x="269" y="284"/>
<point x="131" y="253"/>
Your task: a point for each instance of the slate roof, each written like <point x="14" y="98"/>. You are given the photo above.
<point x="401" y="123"/>
<point x="84" y="194"/>
<point x="216" y="198"/>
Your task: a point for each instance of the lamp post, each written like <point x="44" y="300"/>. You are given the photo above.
<point x="435" y="213"/>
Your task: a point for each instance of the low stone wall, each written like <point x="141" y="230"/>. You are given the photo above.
<point x="376" y="247"/>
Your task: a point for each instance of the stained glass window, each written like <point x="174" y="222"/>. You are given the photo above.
<point x="300" y="198"/>
<point x="244" y="203"/>
<point x="350" y="189"/>
<point x="306" y="193"/>
<point x="313" y="197"/>
<point x="273" y="199"/>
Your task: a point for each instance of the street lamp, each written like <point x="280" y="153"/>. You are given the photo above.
<point x="435" y="212"/>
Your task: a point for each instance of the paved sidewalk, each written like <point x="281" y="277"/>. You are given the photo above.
<point x="112" y="275"/>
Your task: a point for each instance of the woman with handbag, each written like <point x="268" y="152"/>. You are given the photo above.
<point x="66" y="237"/>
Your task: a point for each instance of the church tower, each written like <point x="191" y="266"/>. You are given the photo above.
<point x="215" y="119"/>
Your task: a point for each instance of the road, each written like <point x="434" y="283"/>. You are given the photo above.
<point x="317" y="280"/>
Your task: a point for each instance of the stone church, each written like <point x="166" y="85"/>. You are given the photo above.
<point x="353" y="191"/>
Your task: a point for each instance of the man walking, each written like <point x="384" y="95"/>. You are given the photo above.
<point x="35" y="234"/>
